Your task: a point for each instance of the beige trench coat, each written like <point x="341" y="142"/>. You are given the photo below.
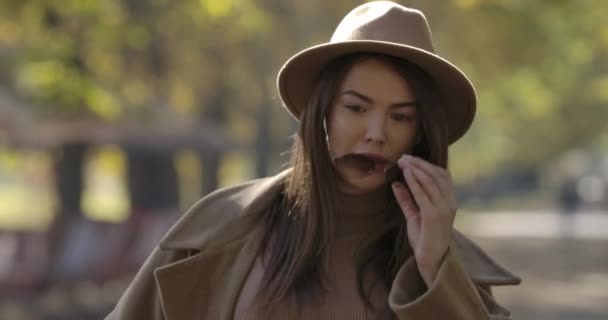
<point x="199" y="267"/>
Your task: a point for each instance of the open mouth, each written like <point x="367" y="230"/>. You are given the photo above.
<point x="367" y="165"/>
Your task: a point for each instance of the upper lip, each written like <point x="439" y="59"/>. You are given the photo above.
<point x="376" y="157"/>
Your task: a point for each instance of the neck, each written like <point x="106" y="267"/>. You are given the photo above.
<point x="359" y="213"/>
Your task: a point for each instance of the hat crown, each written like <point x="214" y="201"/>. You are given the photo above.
<point x="385" y="21"/>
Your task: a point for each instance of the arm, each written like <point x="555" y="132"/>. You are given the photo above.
<point x="451" y="296"/>
<point x="433" y="284"/>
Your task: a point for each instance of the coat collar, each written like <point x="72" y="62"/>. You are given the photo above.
<point x="223" y="216"/>
<point x="221" y="232"/>
<point x="223" y="229"/>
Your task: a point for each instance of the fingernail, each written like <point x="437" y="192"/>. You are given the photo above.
<point x="396" y="185"/>
<point x="405" y="158"/>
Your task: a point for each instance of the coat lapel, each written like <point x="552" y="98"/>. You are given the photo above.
<point x="224" y="231"/>
<point x="207" y="284"/>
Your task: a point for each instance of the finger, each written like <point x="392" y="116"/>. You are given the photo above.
<point x="445" y="199"/>
<point x="428" y="184"/>
<point x="405" y="201"/>
<point x="441" y="176"/>
<point x="419" y="194"/>
<point x="436" y="172"/>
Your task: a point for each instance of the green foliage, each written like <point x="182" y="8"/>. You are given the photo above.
<point x="539" y="66"/>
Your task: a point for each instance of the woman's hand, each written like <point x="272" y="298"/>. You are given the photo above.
<point x="429" y="215"/>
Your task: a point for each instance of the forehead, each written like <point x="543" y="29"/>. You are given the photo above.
<point x="378" y="80"/>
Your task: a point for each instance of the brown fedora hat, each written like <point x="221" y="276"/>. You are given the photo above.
<point x="387" y="28"/>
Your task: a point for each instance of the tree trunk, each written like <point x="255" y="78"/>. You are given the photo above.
<point x="69" y="179"/>
<point x="264" y="142"/>
<point x="211" y="157"/>
<point x="68" y="165"/>
<point x="211" y="164"/>
<point x="153" y="185"/>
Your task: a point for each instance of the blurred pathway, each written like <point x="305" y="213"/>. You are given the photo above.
<point x="563" y="261"/>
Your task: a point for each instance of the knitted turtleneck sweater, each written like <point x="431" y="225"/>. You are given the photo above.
<point x="356" y="217"/>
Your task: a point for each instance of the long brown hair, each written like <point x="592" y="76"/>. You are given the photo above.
<point x="299" y="227"/>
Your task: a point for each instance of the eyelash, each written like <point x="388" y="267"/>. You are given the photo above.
<point x="402" y="117"/>
<point x="396" y="117"/>
<point x="355" y="108"/>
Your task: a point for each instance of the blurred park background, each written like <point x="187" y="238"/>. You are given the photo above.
<point x="117" y="115"/>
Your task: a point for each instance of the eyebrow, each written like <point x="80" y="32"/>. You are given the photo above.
<point x="371" y="101"/>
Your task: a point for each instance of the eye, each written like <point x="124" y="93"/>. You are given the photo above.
<point x="402" y="117"/>
<point x="355" y="108"/>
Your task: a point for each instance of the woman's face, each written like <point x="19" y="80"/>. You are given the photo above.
<point x="373" y="115"/>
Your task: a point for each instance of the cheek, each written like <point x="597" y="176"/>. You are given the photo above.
<point x="342" y="138"/>
<point x="403" y="137"/>
<point x="344" y="133"/>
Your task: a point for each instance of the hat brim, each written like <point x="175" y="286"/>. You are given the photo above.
<point x="297" y="77"/>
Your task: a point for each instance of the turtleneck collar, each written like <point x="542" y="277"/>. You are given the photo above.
<point x="356" y="214"/>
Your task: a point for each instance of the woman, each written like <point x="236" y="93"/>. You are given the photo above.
<point x="360" y="226"/>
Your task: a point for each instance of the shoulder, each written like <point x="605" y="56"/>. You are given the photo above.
<point x="212" y="216"/>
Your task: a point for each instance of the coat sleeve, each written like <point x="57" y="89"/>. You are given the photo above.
<point x="141" y="300"/>
<point x="452" y="296"/>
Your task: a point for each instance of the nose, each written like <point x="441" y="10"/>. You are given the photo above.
<point x="376" y="130"/>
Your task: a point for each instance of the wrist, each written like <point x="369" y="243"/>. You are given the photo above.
<point x="429" y="269"/>
<point x="428" y="274"/>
